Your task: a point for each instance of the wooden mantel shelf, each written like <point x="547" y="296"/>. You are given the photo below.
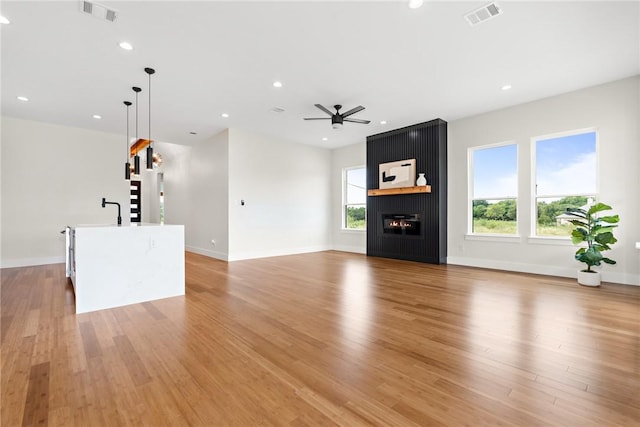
<point x="401" y="190"/>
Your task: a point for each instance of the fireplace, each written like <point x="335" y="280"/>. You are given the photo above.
<point x="403" y="224"/>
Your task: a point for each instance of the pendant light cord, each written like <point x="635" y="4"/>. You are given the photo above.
<point x="136" y="115"/>
<point x="128" y="153"/>
<point x="150" y="142"/>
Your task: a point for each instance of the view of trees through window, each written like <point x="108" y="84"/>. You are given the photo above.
<point x="495" y="216"/>
<point x="564" y="172"/>
<point x="495" y="189"/>
<point x="552" y="220"/>
<point x="356" y="217"/>
<point x="355" y="198"/>
<point x="499" y="216"/>
<point x="565" y="176"/>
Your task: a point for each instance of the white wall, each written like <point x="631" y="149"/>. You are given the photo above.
<point x="207" y="218"/>
<point x="286" y="189"/>
<point x="345" y="157"/>
<point x="53" y="176"/>
<point x="177" y="182"/>
<point x="176" y="169"/>
<point x="613" y="109"/>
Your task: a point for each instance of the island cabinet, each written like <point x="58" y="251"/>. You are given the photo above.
<point x="111" y="266"/>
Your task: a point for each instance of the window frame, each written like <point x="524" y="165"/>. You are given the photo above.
<point x="471" y="235"/>
<point x="533" y="232"/>
<point x="345" y="205"/>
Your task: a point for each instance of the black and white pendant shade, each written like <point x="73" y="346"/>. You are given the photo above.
<point x="149" y="71"/>
<point x="136" y="158"/>
<point x="127" y="165"/>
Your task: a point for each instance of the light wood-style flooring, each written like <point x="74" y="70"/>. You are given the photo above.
<point x="324" y="339"/>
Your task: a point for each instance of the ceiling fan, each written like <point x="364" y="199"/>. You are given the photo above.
<point x="338" y="118"/>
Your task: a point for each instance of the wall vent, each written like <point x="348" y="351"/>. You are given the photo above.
<point x="98" y="11"/>
<point x="483" y="13"/>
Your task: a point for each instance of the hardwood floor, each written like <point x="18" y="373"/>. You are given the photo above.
<point x="324" y="339"/>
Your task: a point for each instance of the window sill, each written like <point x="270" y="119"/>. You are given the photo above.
<point x="353" y="230"/>
<point x="507" y="238"/>
<point x="556" y="241"/>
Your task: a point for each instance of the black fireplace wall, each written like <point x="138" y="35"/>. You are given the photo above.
<point x="427" y="143"/>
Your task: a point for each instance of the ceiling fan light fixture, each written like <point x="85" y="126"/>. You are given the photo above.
<point x="338" y="118"/>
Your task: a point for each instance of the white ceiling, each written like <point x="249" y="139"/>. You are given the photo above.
<point x="405" y="66"/>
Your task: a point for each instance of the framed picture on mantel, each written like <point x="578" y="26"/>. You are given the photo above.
<point x="398" y="174"/>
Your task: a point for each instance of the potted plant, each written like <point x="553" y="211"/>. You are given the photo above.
<point x="596" y="232"/>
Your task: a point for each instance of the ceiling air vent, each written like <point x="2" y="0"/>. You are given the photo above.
<point x="482" y="14"/>
<point x="98" y="11"/>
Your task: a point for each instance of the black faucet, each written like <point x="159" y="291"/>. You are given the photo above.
<point x="105" y="203"/>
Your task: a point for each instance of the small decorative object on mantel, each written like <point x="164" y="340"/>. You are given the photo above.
<point x="397" y="174"/>
<point x="421" y="180"/>
<point x="596" y="232"/>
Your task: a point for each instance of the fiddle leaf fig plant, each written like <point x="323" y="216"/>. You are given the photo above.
<point x="595" y="231"/>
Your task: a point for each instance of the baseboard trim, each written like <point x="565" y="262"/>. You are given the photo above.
<point x="607" y="276"/>
<point x="353" y="249"/>
<point x="280" y="252"/>
<point x="29" y="262"/>
<point x="206" y="252"/>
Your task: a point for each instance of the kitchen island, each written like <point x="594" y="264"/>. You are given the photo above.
<point x="111" y="266"/>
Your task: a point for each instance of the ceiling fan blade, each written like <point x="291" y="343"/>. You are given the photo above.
<point x="353" y="111"/>
<point x="365" y="122"/>
<point x="317" y="118"/>
<point x="324" y="109"/>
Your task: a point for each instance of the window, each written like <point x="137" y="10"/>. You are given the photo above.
<point x="354" y="196"/>
<point x="565" y="176"/>
<point x="494" y="189"/>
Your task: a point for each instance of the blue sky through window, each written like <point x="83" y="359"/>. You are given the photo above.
<point x="566" y="165"/>
<point x="495" y="172"/>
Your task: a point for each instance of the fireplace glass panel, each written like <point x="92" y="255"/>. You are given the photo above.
<point x="403" y="224"/>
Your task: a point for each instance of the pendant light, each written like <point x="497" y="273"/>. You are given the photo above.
<point x="127" y="165"/>
<point x="136" y="159"/>
<point x="149" y="71"/>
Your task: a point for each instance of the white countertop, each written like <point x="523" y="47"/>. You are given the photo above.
<point x="133" y="225"/>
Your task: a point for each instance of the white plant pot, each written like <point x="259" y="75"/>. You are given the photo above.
<point x="589" y="279"/>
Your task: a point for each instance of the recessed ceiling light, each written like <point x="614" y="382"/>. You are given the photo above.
<point x="4" y="20"/>
<point x="126" y="45"/>
<point x="506" y="87"/>
<point x="325" y="139"/>
<point x="97" y="116"/>
<point x="277" y="84"/>
<point x="23" y="98"/>
<point x="225" y="115"/>
<point x="383" y="122"/>
<point x="414" y="4"/>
